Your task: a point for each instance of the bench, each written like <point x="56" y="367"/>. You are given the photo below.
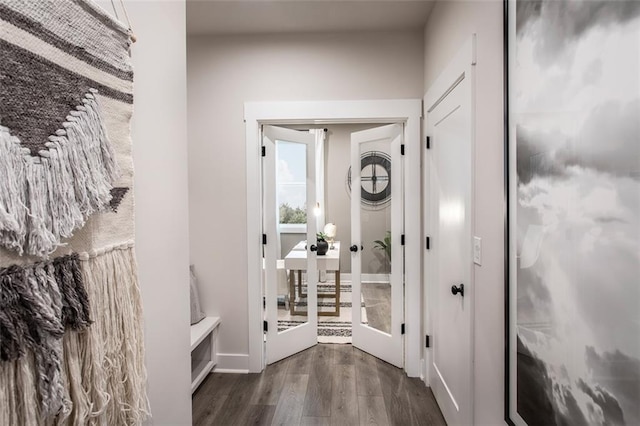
<point x="203" y="349"/>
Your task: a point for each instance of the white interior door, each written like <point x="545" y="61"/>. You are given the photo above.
<point x="377" y="273"/>
<point x="450" y="290"/>
<point x="290" y="282"/>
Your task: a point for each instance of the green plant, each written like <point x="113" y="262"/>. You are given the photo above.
<point x="321" y="236"/>
<point x="384" y="244"/>
<point x="289" y="214"/>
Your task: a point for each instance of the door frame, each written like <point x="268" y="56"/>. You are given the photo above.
<point x="463" y="63"/>
<point x="406" y="111"/>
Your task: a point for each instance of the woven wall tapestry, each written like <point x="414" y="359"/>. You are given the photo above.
<point x="70" y="309"/>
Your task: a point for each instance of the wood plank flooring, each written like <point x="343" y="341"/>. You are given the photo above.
<point x="324" y="385"/>
<point x="377" y="302"/>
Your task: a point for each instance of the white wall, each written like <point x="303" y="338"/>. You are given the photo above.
<point x="162" y="230"/>
<point x="223" y="73"/>
<point x="450" y="24"/>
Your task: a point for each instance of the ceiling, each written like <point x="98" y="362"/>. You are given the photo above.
<point x="216" y="17"/>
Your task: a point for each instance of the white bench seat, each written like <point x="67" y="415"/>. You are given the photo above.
<point x="207" y="327"/>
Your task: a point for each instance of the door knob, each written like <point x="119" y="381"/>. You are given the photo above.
<point x="353" y="248"/>
<point x="460" y="289"/>
<point x="313" y="247"/>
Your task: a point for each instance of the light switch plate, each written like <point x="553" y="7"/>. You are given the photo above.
<point x="477" y="250"/>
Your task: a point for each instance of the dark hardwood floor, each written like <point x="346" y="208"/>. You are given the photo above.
<point x="377" y="302"/>
<point x="324" y="385"/>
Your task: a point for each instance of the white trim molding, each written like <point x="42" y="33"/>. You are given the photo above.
<point x="292" y="228"/>
<point x="232" y="363"/>
<point x="407" y="111"/>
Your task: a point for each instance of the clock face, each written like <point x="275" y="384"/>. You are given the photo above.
<point x="375" y="178"/>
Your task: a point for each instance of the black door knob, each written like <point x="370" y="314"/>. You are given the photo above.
<point x="460" y="289"/>
<point x="313" y="247"/>
<point x="353" y="248"/>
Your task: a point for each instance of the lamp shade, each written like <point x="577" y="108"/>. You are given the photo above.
<point x="330" y="229"/>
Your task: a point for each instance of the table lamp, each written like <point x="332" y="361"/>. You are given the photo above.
<point x="330" y="230"/>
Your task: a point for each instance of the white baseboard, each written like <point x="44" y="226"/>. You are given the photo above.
<point x="229" y="371"/>
<point x="425" y="370"/>
<point x="370" y="278"/>
<point x="232" y="363"/>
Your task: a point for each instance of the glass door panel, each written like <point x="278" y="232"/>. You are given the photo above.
<point x="292" y="202"/>
<point x="290" y="264"/>
<point x="375" y="229"/>
<point x="376" y="233"/>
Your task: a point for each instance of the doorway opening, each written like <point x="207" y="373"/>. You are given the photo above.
<point x="331" y="211"/>
<point x="262" y="115"/>
<point x="295" y="173"/>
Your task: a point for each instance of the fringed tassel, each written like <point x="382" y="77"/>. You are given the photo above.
<point x="108" y="155"/>
<point x="13" y="211"/>
<point x="111" y="279"/>
<point x="44" y="199"/>
<point x="8" y="392"/>
<point x="91" y="376"/>
<point x="36" y="303"/>
<point x="13" y="328"/>
<point x="75" y="310"/>
<point x="80" y="401"/>
<point x="27" y="410"/>
<point x="40" y="239"/>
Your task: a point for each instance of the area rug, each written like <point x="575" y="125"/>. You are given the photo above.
<point x="70" y="309"/>
<point x="330" y="329"/>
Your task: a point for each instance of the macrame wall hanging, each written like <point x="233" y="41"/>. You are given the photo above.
<point x="71" y="343"/>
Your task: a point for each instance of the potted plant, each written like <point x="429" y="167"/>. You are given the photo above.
<point x="322" y="243"/>
<point x="384" y="245"/>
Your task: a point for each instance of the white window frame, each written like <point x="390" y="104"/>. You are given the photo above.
<point x="292" y="228"/>
<point x="406" y="111"/>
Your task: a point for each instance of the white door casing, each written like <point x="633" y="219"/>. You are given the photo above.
<point x="280" y="345"/>
<point x="407" y="111"/>
<point x="386" y="346"/>
<point x="450" y="128"/>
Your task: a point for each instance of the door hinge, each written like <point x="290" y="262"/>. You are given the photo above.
<point x="265" y="326"/>
<point x="427" y="343"/>
<point x="428" y="142"/>
<point x="264" y="238"/>
<point x="402" y="240"/>
<point x="428" y="243"/>
<point x="402" y="329"/>
<point x="264" y="151"/>
<point x="402" y="149"/>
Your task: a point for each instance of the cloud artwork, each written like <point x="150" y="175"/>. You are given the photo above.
<point x="576" y="107"/>
<point x="558" y="24"/>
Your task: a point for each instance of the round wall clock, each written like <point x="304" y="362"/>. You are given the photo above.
<point x="375" y="178"/>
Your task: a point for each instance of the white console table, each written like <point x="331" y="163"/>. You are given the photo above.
<point x="296" y="260"/>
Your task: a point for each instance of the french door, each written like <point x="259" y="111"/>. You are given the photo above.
<point x="376" y="239"/>
<point x="289" y="190"/>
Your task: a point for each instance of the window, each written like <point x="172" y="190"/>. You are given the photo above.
<point x="291" y="184"/>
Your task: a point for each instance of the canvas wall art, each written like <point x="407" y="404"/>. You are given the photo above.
<point x="71" y="343"/>
<point x="573" y="292"/>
